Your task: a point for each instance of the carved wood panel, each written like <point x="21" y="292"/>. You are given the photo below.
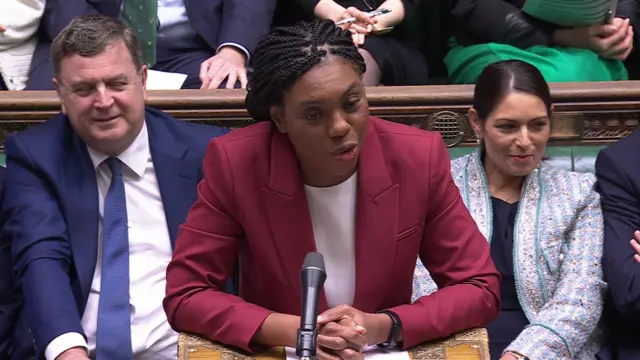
<point x="586" y="113"/>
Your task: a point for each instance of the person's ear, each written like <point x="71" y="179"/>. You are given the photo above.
<point x="277" y="115"/>
<point x="476" y="123"/>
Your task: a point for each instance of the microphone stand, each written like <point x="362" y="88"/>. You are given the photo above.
<point x="312" y="277"/>
<point x="307" y="344"/>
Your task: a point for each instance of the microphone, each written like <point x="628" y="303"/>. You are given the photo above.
<point x="312" y="277"/>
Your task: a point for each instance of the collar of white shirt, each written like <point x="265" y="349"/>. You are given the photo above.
<point x="134" y="157"/>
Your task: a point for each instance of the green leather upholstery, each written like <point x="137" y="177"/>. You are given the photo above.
<point x="573" y="158"/>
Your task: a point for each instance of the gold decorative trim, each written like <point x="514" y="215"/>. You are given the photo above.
<point x="467" y="345"/>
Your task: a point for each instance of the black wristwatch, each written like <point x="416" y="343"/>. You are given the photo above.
<point x="396" y="328"/>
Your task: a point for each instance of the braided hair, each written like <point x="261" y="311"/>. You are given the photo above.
<point x="287" y="53"/>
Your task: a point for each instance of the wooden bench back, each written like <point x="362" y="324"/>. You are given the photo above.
<point x="585" y="113"/>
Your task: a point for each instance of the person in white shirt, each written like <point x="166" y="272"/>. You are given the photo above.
<point x="209" y="41"/>
<point x="94" y="199"/>
<point x="19" y="22"/>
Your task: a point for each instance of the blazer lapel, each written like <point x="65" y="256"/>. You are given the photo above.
<point x="475" y="193"/>
<point x="288" y="212"/>
<point x="81" y="192"/>
<point x="376" y="224"/>
<point x="526" y="246"/>
<point x="177" y="177"/>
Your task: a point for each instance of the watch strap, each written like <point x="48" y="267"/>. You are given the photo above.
<point x="396" y="327"/>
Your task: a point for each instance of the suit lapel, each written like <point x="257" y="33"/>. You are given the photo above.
<point x="288" y="212"/>
<point x="376" y="224"/>
<point x="476" y="194"/>
<point x="177" y="177"/>
<point x="81" y="191"/>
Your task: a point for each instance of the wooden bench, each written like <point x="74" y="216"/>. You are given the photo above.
<point x="586" y="113"/>
<point x="468" y="345"/>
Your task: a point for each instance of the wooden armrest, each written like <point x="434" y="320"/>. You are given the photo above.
<point x="467" y="345"/>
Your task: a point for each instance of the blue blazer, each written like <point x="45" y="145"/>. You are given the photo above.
<point x="9" y="297"/>
<point x="618" y="182"/>
<point x="243" y="22"/>
<point x="51" y="215"/>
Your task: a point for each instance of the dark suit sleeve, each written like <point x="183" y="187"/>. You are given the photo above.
<point x="203" y="259"/>
<point x="620" y="203"/>
<point x="458" y="258"/>
<point x="59" y="13"/>
<point x="246" y="22"/>
<point x="629" y="9"/>
<point x="501" y="22"/>
<point x="41" y="251"/>
<point x="9" y="295"/>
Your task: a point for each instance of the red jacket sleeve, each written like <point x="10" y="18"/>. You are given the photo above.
<point x="458" y="258"/>
<point x="205" y="252"/>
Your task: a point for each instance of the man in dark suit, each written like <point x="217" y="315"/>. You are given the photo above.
<point x="94" y="198"/>
<point x="209" y="41"/>
<point x="618" y="183"/>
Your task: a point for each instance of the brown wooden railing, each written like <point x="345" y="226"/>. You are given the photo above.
<point x="585" y="113"/>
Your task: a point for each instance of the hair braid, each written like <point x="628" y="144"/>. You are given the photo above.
<point x="287" y="53"/>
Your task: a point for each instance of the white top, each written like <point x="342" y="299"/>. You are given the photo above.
<point x="149" y="254"/>
<point x="333" y="214"/>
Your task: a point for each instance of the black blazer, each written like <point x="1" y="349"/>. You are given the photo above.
<point x="618" y="175"/>
<point x="501" y="21"/>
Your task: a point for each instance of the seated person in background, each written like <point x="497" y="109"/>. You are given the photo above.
<point x="19" y="21"/>
<point x="488" y="31"/>
<point x="317" y="173"/>
<point x="392" y="57"/>
<point x="209" y="41"/>
<point x="544" y="224"/>
<point x="618" y="183"/>
<point x="93" y="201"/>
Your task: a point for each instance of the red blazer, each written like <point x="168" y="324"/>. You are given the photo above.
<point x="252" y="206"/>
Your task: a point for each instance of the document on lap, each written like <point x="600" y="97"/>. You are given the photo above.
<point x="372" y="353"/>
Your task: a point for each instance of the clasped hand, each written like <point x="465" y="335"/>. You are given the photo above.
<point x="362" y="27"/>
<point x="342" y="334"/>
<point x="612" y="41"/>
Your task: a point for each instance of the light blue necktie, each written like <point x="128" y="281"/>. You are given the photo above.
<point x="113" y="337"/>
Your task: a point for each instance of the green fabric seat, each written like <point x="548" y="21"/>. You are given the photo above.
<point x="573" y="158"/>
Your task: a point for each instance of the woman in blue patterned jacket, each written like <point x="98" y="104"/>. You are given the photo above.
<point x="544" y="224"/>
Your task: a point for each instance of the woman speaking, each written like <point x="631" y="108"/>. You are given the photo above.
<point x="318" y="173"/>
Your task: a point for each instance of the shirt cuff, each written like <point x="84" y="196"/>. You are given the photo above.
<point x="63" y="343"/>
<point x="244" y="50"/>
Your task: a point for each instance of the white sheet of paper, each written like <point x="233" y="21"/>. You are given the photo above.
<point x="160" y="80"/>
<point x="372" y="353"/>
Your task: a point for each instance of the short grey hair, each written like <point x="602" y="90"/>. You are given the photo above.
<point x="89" y="36"/>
